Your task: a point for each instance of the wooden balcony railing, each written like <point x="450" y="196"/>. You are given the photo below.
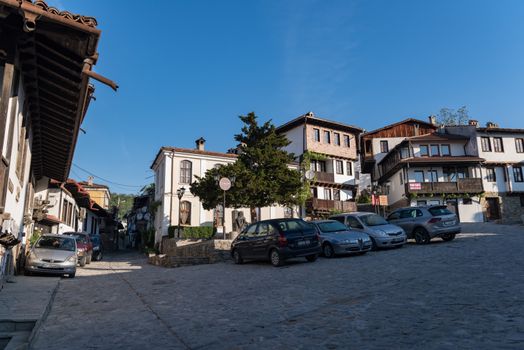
<point x="470" y="185"/>
<point x="326" y="205"/>
<point x="321" y="176"/>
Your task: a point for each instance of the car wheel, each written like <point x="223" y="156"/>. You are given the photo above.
<point x="82" y="261"/>
<point x="448" y="237"/>
<point x="99" y="257"/>
<point x="89" y="258"/>
<point x="237" y="258"/>
<point x="71" y="275"/>
<point x="276" y="258"/>
<point x="421" y="236"/>
<point x="328" y="251"/>
<point x="312" y="258"/>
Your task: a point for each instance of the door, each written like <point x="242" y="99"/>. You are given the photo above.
<point x="245" y="242"/>
<point x="492" y="208"/>
<point x="405" y="218"/>
<point x="261" y="240"/>
<point x="453" y="207"/>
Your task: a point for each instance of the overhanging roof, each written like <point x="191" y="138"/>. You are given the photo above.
<point x="310" y="118"/>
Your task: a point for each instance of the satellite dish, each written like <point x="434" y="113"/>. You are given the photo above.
<point x="309" y="174"/>
<point x="144" y="209"/>
<point x="139" y="216"/>
<point x="147" y="216"/>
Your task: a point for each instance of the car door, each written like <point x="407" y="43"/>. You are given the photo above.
<point x="261" y="241"/>
<point x="245" y="242"/>
<point x="403" y="218"/>
<point x="354" y="224"/>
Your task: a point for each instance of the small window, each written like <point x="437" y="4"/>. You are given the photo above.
<point x="336" y="194"/>
<point x="339" y="167"/>
<point x="185" y="171"/>
<point x="349" y="168"/>
<point x="467" y="201"/>
<point x="346" y="141"/>
<point x="519" y="145"/>
<point x="327" y="136"/>
<point x="419" y="175"/>
<point x="517" y="174"/>
<point x="327" y="193"/>
<point x="384" y="148"/>
<point x="491" y="175"/>
<point x="422" y="203"/>
<point x="445" y="150"/>
<point x="435" y="151"/>
<point x="316" y="133"/>
<point x="337" y="139"/>
<point x="424" y="150"/>
<point x="498" y="146"/>
<point x="485" y="144"/>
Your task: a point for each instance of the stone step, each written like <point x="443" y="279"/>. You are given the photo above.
<point x="14" y="340"/>
<point x="16" y="326"/>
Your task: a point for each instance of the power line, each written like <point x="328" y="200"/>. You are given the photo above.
<point x="106" y="180"/>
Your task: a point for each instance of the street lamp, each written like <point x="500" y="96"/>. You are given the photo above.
<point x="180" y="193"/>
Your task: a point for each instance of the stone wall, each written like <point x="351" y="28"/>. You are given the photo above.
<point x="182" y="253"/>
<point x="510" y="210"/>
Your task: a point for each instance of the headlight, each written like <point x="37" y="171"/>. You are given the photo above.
<point x="381" y="233"/>
<point x="72" y="258"/>
<point x="81" y="249"/>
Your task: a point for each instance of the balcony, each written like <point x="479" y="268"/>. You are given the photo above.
<point x="470" y="185"/>
<point x="321" y="176"/>
<point x="326" y="205"/>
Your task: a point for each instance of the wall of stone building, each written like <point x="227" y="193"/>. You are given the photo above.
<point x="331" y="148"/>
<point x="510" y="208"/>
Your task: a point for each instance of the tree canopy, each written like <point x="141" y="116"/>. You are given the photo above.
<point x="261" y="171"/>
<point x="448" y="116"/>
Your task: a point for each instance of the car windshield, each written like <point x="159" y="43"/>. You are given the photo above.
<point x="294" y="225"/>
<point x="373" y="220"/>
<point x="437" y="211"/>
<point x="332" y="226"/>
<point x="79" y="238"/>
<point x="60" y="243"/>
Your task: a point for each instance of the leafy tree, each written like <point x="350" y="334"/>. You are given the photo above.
<point x="124" y="203"/>
<point x="448" y="116"/>
<point x="262" y="175"/>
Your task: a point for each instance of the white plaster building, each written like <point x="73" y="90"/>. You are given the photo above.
<point x="175" y="168"/>
<point x="335" y="181"/>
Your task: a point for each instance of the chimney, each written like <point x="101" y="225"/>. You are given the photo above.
<point x="200" y="143"/>
<point x="90" y="180"/>
<point x="473" y="122"/>
<point x="491" y="125"/>
<point x="432" y="120"/>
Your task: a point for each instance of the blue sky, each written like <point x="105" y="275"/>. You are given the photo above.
<point x="187" y="69"/>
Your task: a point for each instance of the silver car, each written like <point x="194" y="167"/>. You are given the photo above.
<point x="382" y="233"/>
<point x="53" y="254"/>
<point x="425" y="223"/>
<point x="337" y="239"/>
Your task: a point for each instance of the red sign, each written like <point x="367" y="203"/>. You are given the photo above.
<point x="415" y="186"/>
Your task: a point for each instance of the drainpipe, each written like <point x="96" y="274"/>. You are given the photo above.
<point x="172" y="188"/>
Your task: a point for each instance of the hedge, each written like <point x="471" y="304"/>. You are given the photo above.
<point x="192" y="232"/>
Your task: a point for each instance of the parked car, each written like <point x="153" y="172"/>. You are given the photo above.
<point x="336" y="238"/>
<point x="425" y="223"/>
<point x="382" y="233"/>
<point x="276" y="240"/>
<point x="85" y="247"/>
<point x="52" y="254"/>
<point x="97" y="247"/>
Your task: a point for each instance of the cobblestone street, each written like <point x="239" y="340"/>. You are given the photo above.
<point x="467" y="293"/>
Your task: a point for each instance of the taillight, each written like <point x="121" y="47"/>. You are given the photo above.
<point x="282" y="240"/>
<point x="434" y="220"/>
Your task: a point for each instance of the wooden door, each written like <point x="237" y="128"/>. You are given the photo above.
<point x="492" y="208"/>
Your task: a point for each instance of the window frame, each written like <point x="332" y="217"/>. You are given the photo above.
<point x="432" y="146"/>
<point x="425" y="154"/>
<point x="186" y="173"/>
<point x="498" y="147"/>
<point x="517" y="171"/>
<point x="485" y="144"/>
<point x="519" y="145"/>
<point x="431" y="177"/>
<point x="336" y="137"/>
<point x="349" y="168"/>
<point x="384" y="146"/>
<point x="339" y="167"/>
<point x="347" y="141"/>
<point x="327" y="137"/>
<point x="327" y="193"/>
<point x="491" y="175"/>
<point x="448" y="146"/>
<point x="316" y="134"/>
<point x="415" y="172"/>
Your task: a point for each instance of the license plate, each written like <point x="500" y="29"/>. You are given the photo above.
<point x="449" y="223"/>
<point x="47" y="265"/>
<point x="303" y="243"/>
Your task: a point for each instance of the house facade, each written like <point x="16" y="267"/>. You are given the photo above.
<point x="502" y="172"/>
<point x="331" y="148"/>
<point x="98" y="192"/>
<point x="44" y="96"/>
<point x="175" y="169"/>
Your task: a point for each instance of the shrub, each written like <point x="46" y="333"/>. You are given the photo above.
<point x="197" y="232"/>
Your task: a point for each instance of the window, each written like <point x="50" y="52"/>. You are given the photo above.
<point x="327" y="136"/>
<point x="288" y="212"/>
<point x="316" y="133"/>
<point x="318" y="165"/>
<point x="185" y="213"/>
<point x="353" y="223"/>
<point x="424" y="150"/>
<point x="498" y="146"/>
<point x="433" y="176"/>
<point x="337" y="139"/>
<point x="336" y="194"/>
<point x="422" y="203"/>
<point x="504" y="170"/>
<point x="519" y="145"/>
<point x="327" y="193"/>
<point x="346" y="141"/>
<point x="435" y="152"/>
<point x="185" y="172"/>
<point x="517" y="174"/>
<point x="339" y="165"/>
<point x="404" y="153"/>
<point x="64" y="211"/>
<point x="445" y="150"/>
<point x="384" y="147"/>
<point x="419" y="175"/>
<point x="485" y="144"/>
<point x="490" y="175"/>
<point x="349" y="168"/>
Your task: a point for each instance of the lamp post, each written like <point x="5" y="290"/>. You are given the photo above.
<point x="180" y="194"/>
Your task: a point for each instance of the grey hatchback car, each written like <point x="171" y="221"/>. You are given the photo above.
<point x="337" y="238"/>
<point x="382" y="233"/>
<point x="425" y="223"/>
